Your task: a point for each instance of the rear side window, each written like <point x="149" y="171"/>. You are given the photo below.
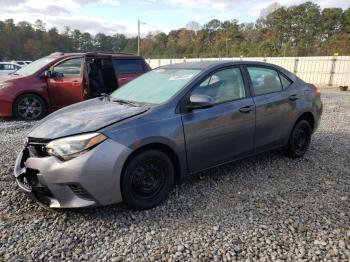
<point x="285" y="81"/>
<point x="264" y="80"/>
<point x="1" y="67"/>
<point x="69" y="68"/>
<point x="126" y="66"/>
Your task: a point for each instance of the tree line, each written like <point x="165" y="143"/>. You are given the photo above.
<point x="300" y="30"/>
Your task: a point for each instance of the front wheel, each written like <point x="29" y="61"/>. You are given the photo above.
<point x="299" y="140"/>
<point x="147" y="180"/>
<point x="29" y="107"/>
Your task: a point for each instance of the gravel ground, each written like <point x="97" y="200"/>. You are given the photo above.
<point x="263" y="208"/>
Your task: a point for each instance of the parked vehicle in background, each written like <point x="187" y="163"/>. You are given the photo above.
<point x="21" y="63"/>
<point x="8" y="68"/>
<point x="59" y="80"/>
<point x="171" y="122"/>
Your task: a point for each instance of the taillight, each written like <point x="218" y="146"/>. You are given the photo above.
<point x="318" y="92"/>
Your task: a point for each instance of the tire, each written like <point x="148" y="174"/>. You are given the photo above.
<point x="299" y="140"/>
<point x="29" y="107"/>
<point x="147" y="180"/>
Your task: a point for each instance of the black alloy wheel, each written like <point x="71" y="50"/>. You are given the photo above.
<point x="29" y="107"/>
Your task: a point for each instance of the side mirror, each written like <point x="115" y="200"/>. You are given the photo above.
<point x="48" y="74"/>
<point x="57" y="74"/>
<point x="199" y="101"/>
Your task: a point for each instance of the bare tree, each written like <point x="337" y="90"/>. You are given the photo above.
<point x="269" y="9"/>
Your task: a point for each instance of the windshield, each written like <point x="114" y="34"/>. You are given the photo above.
<point x="155" y="87"/>
<point x="34" y="66"/>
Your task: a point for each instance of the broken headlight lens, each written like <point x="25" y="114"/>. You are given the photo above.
<point x="73" y="146"/>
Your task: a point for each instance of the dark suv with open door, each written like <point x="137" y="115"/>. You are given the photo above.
<point x="58" y="80"/>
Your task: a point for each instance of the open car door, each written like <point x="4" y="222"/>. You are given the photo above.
<point x="100" y="74"/>
<point x="128" y="69"/>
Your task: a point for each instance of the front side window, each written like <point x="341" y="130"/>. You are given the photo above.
<point x="224" y="85"/>
<point x="155" y="87"/>
<point x="264" y="80"/>
<point x="127" y="66"/>
<point x="69" y="68"/>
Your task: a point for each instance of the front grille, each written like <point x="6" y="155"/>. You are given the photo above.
<point x="80" y="192"/>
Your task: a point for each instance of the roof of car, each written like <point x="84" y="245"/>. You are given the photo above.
<point x="122" y="55"/>
<point x="212" y="63"/>
<point x="10" y="63"/>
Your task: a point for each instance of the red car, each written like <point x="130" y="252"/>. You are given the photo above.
<point x="59" y="80"/>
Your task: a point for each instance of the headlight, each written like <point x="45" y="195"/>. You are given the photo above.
<point x="4" y="85"/>
<point x="71" y="147"/>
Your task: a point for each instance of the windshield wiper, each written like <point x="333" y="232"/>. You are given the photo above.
<point x="125" y="102"/>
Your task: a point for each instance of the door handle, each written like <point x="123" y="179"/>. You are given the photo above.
<point x="246" y="109"/>
<point x="76" y="83"/>
<point x="293" y="97"/>
<point x="123" y="79"/>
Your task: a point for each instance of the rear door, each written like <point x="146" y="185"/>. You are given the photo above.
<point x="128" y="69"/>
<point x="66" y="85"/>
<point x="275" y="106"/>
<point x="225" y="131"/>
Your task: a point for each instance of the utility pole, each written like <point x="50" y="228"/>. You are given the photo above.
<point x="227" y="39"/>
<point x="138" y="36"/>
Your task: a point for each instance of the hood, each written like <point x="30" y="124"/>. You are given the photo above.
<point x="88" y="116"/>
<point x="9" y="78"/>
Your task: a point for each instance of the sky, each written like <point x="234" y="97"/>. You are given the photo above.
<point x="120" y="16"/>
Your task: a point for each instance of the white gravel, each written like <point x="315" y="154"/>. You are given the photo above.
<point x="266" y="208"/>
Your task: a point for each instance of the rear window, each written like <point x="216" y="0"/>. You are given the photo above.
<point x="264" y="80"/>
<point x="125" y="66"/>
<point x="285" y="81"/>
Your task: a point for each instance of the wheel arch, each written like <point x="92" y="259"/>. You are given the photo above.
<point x="162" y="147"/>
<point x="308" y="116"/>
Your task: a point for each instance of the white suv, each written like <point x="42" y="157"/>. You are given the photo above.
<point x="8" y="67"/>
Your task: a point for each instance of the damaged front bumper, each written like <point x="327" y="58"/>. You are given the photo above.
<point x="87" y="180"/>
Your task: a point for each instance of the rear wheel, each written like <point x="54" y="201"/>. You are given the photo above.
<point x="29" y="107"/>
<point x="299" y="140"/>
<point x="147" y="180"/>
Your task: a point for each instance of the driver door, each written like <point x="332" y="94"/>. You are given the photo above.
<point x="66" y="85"/>
<point x="224" y="131"/>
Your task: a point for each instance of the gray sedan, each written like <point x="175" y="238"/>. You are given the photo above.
<point x="133" y="144"/>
